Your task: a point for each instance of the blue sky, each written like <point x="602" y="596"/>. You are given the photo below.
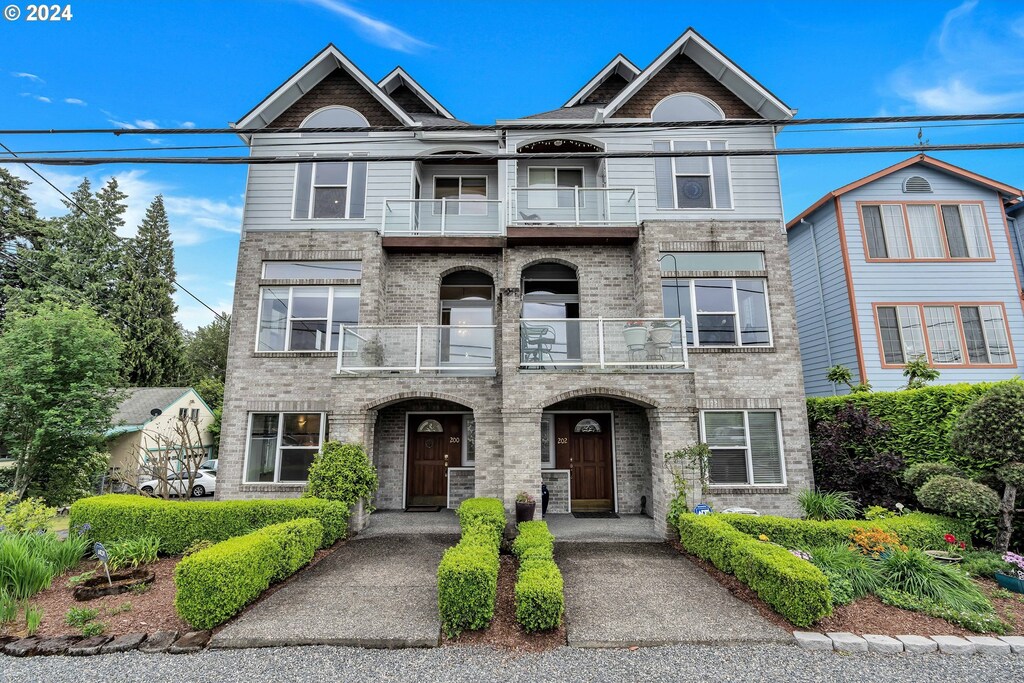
<point x="204" y="64"/>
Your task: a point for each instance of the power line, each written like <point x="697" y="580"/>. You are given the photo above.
<point x="125" y="242"/>
<point x="512" y="156"/>
<point x="521" y="124"/>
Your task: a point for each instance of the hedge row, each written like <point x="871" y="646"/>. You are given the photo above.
<point x="917" y="529"/>
<point x="467" y="578"/>
<point x="794" y="588"/>
<point x="921" y="420"/>
<point x="178" y="524"/>
<point x="214" y="584"/>
<point x="540" y="597"/>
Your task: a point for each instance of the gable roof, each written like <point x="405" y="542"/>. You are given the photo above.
<point x="135" y="411"/>
<point x="1009" y="193"/>
<point x="399" y="77"/>
<point x="619" y="65"/>
<point x="720" y="67"/>
<point x="305" y="79"/>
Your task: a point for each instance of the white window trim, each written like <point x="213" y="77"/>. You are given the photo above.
<point x="263" y="272"/>
<point x="434" y="198"/>
<point x="714" y="197"/>
<point x="735" y="313"/>
<point x="466" y="461"/>
<point x="547" y="421"/>
<point x="556" y="169"/>
<point x="277" y="455"/>
<point x="334" y="158"/>
<point x="288" y="320"/>
<point x="749" y="451"/>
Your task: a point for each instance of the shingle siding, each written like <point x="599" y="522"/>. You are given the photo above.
<point x="682" y="74"/>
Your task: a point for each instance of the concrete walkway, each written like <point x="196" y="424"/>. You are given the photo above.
<point x="622" y="594"/>
<point x="379" y="590"/>
<point x="625" y="529"/>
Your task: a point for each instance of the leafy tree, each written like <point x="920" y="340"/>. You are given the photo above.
<point x="212" y="391"/>
<point x="846" y="458"/>
<point x="919" y="373"/>
<point x="58" y="370"/>
<point x="840" y="374"/>
<point x="153" y="353"/>
<point x="206" y="352"/>
<point x="20" y="228"/>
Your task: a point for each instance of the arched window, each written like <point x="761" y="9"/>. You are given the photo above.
<point x="551" y="295"/>
<point x="335" y="117"/>
<point x="686" y="107"/>
<point x="430" y="426"/>
<point x="467" y="319"/>
<point x="587" y="426"/>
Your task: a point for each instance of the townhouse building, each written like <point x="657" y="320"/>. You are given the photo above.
<point x="916" y="261"/>
<point x="487" y="325"/>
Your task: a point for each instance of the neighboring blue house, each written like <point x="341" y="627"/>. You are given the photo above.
<point x="916" y="260"/>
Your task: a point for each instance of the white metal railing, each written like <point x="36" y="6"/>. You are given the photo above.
<point x="442" y="218"/>
<point x="557" y="343"/>
<point x="451" y="349"/>
<point x="575" y="206"/>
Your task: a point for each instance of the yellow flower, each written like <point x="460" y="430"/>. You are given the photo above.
<point x="762" y="537"/>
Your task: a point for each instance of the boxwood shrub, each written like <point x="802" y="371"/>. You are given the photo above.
<point x="214" y="584"/>
<point x="917" y="529"/>
<point x="793" y="587"/>
<point x="539" y="591"/>
<point x="467" y="578"/>
<point x="179" y="524"/>
<point x="488" y="513"/>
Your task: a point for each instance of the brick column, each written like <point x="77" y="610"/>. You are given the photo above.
<point x="489" y="469"/>
<point x="522" y="454"/>
<point x="670" y="430"/>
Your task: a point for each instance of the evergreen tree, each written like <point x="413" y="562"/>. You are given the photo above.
<point x="206" y="352"/>
<point x="20" y="230"/>
<point x="153" y="344"/>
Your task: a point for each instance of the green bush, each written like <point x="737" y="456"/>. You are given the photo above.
<point x="133" y="552"/>
<point x="825" y="505"/>
<point x="467" y="581"/>
<point x="916" y="573"/>
<point x="917" y="529"/>
<point x="179" y="524"/>
<point x="839" y="587"/>
<point x="540" y="599"/>
<point x="856" y="568"/>
<point x="29" y="562"/>
<point x="341" y="472"/>
<point x="534" y="542"/>
<point x="27" y="515"/>
<point x="917" y="475"/>
<point x="214" y="584"/>
<point x="488" y="513"/>
<point x="958" y="497"/>
<point x="991" y="430"/>
<point x="793" y="587"/>
<point x="979" y="622"/>
<point x="984" y="563"/>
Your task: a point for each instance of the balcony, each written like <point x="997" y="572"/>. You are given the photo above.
<point x="429" y="224"/>
<point x="573" y="215"/>
<point x="417" y="349"/>
<point x="605" y="344"/>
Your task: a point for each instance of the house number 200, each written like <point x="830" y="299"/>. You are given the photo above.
<point x="453" y="439"/>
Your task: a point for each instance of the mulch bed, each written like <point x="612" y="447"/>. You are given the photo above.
<point x="152" y="610"/>
<point x="867" y="615"/>
<point x="504" y="632"/>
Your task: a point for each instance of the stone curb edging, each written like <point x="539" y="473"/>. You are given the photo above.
<point x="950" y="645"/>
<point x="78" y="646"/>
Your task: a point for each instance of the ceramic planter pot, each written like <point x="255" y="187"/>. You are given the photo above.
<point x="636" y="337"/>
<point x="524" y="512"/>
<point x="1010" y="583"/>
<point x="943" y="556"/>
<point x="661" y="336"/>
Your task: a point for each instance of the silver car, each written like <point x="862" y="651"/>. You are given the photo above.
<point x="204" y="483"/>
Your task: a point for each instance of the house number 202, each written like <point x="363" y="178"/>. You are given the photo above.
<point x="453" y="439"/>
<point x="563" y="439"/>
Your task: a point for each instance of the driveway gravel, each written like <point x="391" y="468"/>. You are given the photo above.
<point x="704" y="663"/>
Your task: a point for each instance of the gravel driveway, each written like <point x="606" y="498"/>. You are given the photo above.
<point x="704" y="663"/>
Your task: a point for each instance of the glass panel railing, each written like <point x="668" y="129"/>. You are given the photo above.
<point x="602" y="343"/>
<point x="441" y="218"/>
<point x="575" y="206"/>
<point x="456" y="349"/>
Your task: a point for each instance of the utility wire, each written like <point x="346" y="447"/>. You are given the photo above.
<point x="521" y="124"/>
<point x="127" y="243"/>
<point x="510" y="156"/>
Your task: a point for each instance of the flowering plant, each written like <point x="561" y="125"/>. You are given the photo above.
<point x="875" y="542"/>
<point x="635" y="323"/>
<point x="762" y="538"/>
<point x="1017" y="561"/>
<point x="955" y="546"/>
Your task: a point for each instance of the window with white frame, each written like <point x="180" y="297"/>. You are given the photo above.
<point x="330" y="190"/>
<point x="925" y="231"/>
<point x="282" y="446"/>
<point x="464" y="195"/>
<point x="692" y="182"/>
<point x="746" y="447"/>
<point x="305" y="318"/>
<point x="719" y="311"/>
<point x="552" y="187"/>
<point x="547" y="441"/>
<point x="970" y="334"/>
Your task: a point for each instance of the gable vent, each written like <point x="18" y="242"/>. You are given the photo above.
<point x="916" y="183"/>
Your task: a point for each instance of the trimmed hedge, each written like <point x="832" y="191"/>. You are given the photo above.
<point x="917" y="529"/>
<point x="540" y="595"/>
<point x="794" y="588"/>
<point x="179" y="524"/>
<point x="467" y="578"/>
<point x="214" y="584"/>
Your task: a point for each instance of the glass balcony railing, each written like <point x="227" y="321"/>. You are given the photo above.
<point x="573" y="206"/>
<point x="437" y="349"/>
<point x="602" y="343"/>
<point x="442" y="218"/>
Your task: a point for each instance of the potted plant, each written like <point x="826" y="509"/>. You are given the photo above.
<point x="953" y="552"/>
<point x="635" y="333"/>
<point x="662" y="331"/>
<point x="1014" y="579"/>
<point x="526" y="505"/>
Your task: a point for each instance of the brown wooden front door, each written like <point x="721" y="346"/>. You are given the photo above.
<point x="583" y="445"/>
<point x="430" y="454"/>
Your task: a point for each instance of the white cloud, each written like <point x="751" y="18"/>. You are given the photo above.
<point x="970" y="65"/>
<point x="74" y="100"/>
<point x="188" y="124"/>
<point x="26" y="75"/>
<point x="192" y="314"/>
<point x="122" y="124"/>
<point x="155" y="141"/>
<point x="38" y="98"/>
<point x="148" y="124"/>
<point x="374" y="30"/>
